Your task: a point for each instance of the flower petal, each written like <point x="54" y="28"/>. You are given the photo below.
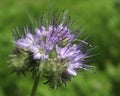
<point x="37" y="56"/>
<point x="72" y="72"/>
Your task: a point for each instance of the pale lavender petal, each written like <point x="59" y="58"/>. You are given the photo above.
<point x="21" y="43"/>
<point x="30" y="37"/>
<point x="69" y="36"/>
<point x="34" y="49"/>
<point x="45" y="57"/>
<point x="50" y="28"/>
<point x="59" y="28"/>
<point x="25" y="43"/>
<point x="71" y="72"/>
<point x="41" y="31"/>
<point x="58" y="50"/>
<point x="78" y="57"/>
<point x="66" y="51"/>
<point x="37" y="56"/>
<point x="74" y="65"/>
<point x="65" y="29"/>
<point x="38" y="32"/>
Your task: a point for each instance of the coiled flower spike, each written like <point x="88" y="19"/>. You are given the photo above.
<point x="50" y="50"/>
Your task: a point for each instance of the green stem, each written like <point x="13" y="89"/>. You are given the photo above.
<point x="35" y="85"/>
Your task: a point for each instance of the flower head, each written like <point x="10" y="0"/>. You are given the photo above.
<point x="25" y="43"/>
<point x="52" y="51"/>
<point x="74" y="57"/>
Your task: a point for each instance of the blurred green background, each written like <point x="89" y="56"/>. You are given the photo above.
<point x="102" y="19"/>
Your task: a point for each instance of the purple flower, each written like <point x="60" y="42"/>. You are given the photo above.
<point x="39" y="51"/>
<point x="25" y="43"/>
<point x="74" y="58"/>
<point x="34" y="43"/>
<point x="41" y="43"/>
<point x="50" y="50"/>
<point x="41" y="32"/>
<point x="44" y="40"/>
<point x="63" y="32"/>
<point x="56" y="35"/>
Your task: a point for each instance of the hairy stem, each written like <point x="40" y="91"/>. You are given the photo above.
<point x="35" y="85"/>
